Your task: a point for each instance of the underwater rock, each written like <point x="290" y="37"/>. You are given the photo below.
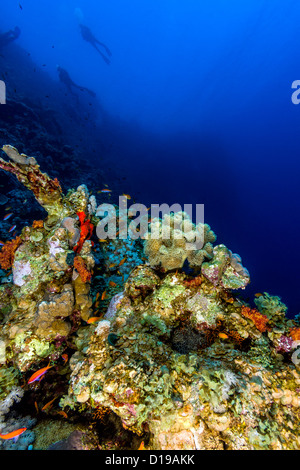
<point x="188" y="388"/>
<point x="77" y="440"/>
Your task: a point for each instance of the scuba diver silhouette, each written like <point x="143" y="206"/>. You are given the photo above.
<point x="89" y="37"/>
<point x="66" y="80"/>
<point x="9" y="36"/>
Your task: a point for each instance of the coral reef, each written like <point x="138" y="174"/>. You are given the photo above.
<point x="137" y="352"/>
<point x="153" y="362"/>
<point x="46" y="290"/>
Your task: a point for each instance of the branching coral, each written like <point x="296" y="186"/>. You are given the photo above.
<point x="80" y="266"/>
<point x="259" y="320"/>
<point x="8" y="251"/>
<point x="174" y="238"/>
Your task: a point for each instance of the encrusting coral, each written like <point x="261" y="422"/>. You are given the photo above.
<point x="178" y="361"/>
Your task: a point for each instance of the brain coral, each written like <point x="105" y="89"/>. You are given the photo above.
<point x="175" y="238"/>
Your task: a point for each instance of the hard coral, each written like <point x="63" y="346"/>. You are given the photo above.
<point x="259" y="320"/>
<point x="175" y="238"/>
<point x="8" y="251"/>
<point x="80" y="266"/>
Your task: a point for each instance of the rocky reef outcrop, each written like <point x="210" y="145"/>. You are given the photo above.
<point x="159" y="356"/>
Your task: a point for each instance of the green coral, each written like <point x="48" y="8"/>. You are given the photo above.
<point x="9" y="377"/>
<point x="168" y="291"/>
<point x="272" y="307"/>
<point x="26" y="348"/>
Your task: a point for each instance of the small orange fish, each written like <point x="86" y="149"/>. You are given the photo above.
<point x="103" y="295"/>
<point x="142" y="447"/>
<point x="113" y="265"/>
<point x="93" y="320"/>
<point x="38" y="374"/>
<point x="223" y="336"/>
<point x="48" y="404"/>
<point x="97" y="295"/>
<point x="36" y="407"/>
<point x="13" y="434"/>
<point x="102" y="240"/>
<point x="123" y="261"/>
<point x="127" y="196"/>
<point x="258" y="295"/>
<point x="65" y="357"/>
<point x="112" y="284"/>
<point x="104" y="191"/>
<point x="62" y="413"/>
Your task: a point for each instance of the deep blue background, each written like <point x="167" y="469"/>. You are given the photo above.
<point x="205" y="90"/>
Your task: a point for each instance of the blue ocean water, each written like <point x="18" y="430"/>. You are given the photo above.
<point x="194" y="108"/>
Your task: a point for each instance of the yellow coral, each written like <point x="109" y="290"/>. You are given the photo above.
<point x="168" y="242"/>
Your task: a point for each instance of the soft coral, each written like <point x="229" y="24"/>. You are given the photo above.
<point x="86" y="231"/>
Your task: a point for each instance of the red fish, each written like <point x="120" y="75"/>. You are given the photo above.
<point x="38" y="374"/>
<point x="65" y="357"/>
<point x="13" y="434"/>
<point x="62" y="413"/>
<point x="48" y="404"/>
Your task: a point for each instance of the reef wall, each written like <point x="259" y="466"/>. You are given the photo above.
<point x="131" y="341"/>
